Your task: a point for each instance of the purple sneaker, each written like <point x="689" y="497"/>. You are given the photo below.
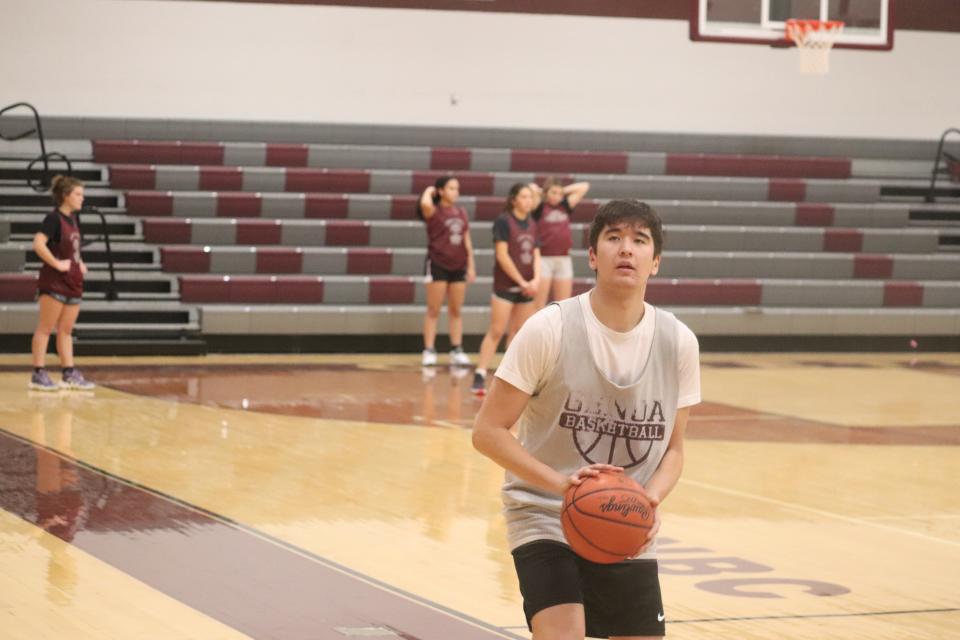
<point x="40" y="381"/>
<point x="73" y="379"/>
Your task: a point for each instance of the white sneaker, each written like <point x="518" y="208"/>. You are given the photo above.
<point x="459" y="359"/>
<point x="429" y="358"/>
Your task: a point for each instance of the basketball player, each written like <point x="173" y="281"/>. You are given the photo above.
<point x="553" y="234"/>
<point x="60" y="285"/>
<point x="449" y="266"/>
<point x="576" y="379"/>
<point x="516" y="275"/>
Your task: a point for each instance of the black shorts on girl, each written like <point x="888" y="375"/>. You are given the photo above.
<point x="620" y="599"/>
<point x="516" y="297"/>
<point x="436" y="273"/>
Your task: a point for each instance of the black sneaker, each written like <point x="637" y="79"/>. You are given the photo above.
<point x="479" y="386"/>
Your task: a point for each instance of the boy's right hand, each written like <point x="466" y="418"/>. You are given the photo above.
<point x="591" y="471"/>
<point x="63" y="266"/>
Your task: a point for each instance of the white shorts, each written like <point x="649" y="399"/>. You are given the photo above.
<point x="556" y="267"/>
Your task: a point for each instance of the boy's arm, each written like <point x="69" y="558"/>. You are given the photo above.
<point x="665" y="478"/>
<point x="491" y="436"/>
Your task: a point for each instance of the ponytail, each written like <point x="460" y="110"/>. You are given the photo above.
<point x="61" y="186"/>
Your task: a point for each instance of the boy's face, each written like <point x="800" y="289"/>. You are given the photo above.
<point x="624" y="255"/>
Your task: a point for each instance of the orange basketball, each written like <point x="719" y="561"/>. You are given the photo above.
<point x="606" y="519"/>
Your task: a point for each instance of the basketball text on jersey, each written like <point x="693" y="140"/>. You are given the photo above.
<point x="598" y="419"/>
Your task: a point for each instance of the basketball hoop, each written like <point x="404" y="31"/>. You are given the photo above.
<point x="814" y="39"/>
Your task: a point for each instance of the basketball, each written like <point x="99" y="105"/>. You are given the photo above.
<point x="606" y="519"/>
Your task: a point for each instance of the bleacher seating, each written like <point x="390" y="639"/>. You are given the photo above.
<point x="277" y="238"/>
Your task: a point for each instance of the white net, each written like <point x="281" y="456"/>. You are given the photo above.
<point x="814" y="39"/>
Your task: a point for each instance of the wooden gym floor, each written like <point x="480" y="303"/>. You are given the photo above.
<point x="330" y="497"/>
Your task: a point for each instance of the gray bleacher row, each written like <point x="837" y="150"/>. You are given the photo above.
<point x="679" y="237"/>
<point x="393" y="181"/>
<point x="346" y="156"/>
<point x="773" y="292"/>
<point x="254" y="320"/>
<point x="704" y="321"/>
<point x="74" y="127"/>
<point x="675" y="264"/>
<point x="673" y="211"/>
<point x="254" y="154"/>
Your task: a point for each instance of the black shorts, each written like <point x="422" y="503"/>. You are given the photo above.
<point x="620" y="599"/>
<point x="516" y="297"/>
<point x="436" y="273"/>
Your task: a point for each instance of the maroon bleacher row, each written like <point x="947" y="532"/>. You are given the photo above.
<point x="293" y="289"/>
<point x="310" y="180"/>
<point x="332" y="206"/>
<point x="537" y="160"/>
<point x="315" y="205"/>
<point x="373" y="261"/>
<point x="357" y="233"/>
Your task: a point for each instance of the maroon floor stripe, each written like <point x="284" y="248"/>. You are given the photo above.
<point x="258" y="585"/>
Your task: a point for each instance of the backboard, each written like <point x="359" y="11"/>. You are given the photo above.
<point x="868" y="23"/>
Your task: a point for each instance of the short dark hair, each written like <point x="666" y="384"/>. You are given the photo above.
<point x="630" y="212"/>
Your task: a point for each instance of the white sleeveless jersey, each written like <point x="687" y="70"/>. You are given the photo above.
<point x="579" y="417"/>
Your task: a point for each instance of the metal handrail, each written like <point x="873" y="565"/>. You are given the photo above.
<point x="44" y="184"/>
<point x="111" y="293"/>
<point x="44" y="157"/>
<point x="931" y="194"/>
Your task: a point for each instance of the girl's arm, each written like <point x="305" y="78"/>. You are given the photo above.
<point x="575" y="192"/>
<point x="506" y="263"/>
<point x="471" y="265"/>
<point x="427" y="208"/>
<point x="43" y="251"/>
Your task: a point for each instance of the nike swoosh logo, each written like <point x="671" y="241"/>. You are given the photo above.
<point x="660" y="617"/>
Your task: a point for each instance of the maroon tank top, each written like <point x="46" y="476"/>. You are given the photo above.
<point x="520" y="246"/>
<point x="68" y="284"/>
<point x="446" y="230"/>
<point x="553" y="231"/>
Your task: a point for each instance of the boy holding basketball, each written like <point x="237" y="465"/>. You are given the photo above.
<point x="600" y="383"/>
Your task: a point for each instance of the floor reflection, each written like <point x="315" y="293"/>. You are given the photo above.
<point x="431" y="396"/>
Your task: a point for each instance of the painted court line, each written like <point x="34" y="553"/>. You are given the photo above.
<point x="819" y="512"/>
<point x="805" y="616"/>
